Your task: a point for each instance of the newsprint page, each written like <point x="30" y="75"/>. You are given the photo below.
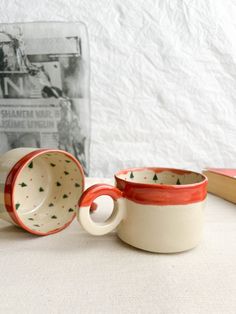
<point x="44" y="87"/>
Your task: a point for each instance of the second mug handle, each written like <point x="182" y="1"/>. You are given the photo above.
<point x="86" y="201"/>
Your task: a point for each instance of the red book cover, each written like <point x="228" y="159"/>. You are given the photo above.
<point x="224" y="171"/>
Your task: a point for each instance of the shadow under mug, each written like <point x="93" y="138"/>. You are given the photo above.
<point x="155" y="209"/>
<point x="40" y="189"/>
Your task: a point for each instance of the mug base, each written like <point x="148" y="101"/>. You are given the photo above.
<point x="158" y="250"/>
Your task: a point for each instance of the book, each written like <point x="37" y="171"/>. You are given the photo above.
<point x="222" y="182"/>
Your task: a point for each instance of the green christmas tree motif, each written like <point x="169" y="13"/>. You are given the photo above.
<point x="41" y="189"/>
<point x="131" y="175"/>
<point x="48" y="154"/>
<point x="51" y="205"/>
<point x="65" y="196"/>
<point x="31" y="165"/>
<point x="155" y="178"/>
<point x="54" y="217"/>
<point x="66" y="173"/>
<point x="17" y="205"/>
<point x="52" y="164"/>
<point x="70" y="210"/>
<point x="77" y="185"/>
<point x="30" y="218"/>
<point x="178" y="182"/>
<point x="23" y="184"/>
<point x="68" y="161"/>
<point x="58" y="183"/>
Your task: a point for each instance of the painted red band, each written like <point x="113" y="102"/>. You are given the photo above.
<point x="97" y="190"/>
<point x="10" y="185"/>
<point x="155" y="194"/>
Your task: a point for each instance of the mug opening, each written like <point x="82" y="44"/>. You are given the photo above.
<point x="46" y="191"/>
<point x="161" y="176"/>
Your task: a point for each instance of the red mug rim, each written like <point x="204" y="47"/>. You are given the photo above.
<point x="162" y="194"/>
<point x="10" y="186"/>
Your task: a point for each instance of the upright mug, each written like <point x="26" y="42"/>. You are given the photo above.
<point x="155" y="209"/>
<point x="39" y="189"/>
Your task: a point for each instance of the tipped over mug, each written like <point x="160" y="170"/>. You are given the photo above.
<point x="155" y="209"/>
<point x="40" y="189"/>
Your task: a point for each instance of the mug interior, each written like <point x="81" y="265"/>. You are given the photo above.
<point x="47" y="190"/>
<point x="162" y="176"/>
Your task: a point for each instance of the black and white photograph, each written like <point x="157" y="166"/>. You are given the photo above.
<point x="42" y="89"/>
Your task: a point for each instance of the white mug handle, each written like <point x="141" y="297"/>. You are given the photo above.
<point x="86" y="201"/>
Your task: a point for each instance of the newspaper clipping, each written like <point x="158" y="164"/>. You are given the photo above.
<point x="44" y="87"/>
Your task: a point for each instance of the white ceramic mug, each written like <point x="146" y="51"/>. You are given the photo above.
<point x="155" y="209"/>
<point x="39" y="189"/>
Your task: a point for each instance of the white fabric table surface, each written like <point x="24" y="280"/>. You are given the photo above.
<point x="74" y="272"/>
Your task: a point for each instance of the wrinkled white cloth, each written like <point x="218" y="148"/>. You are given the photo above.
<point x="74" y="272"/>
<point x="163" y="77"/>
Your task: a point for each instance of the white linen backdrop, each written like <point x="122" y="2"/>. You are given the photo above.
<point x="163" y="78"/>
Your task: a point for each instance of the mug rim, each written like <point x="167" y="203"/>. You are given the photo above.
<point x="11" y="182"/>
<point x="158" y="170"/>
<point x="162" y="194"/>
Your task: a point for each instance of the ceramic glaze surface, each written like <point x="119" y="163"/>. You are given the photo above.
<point x="46" y="191"/>
<point x="164" y="229"/>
